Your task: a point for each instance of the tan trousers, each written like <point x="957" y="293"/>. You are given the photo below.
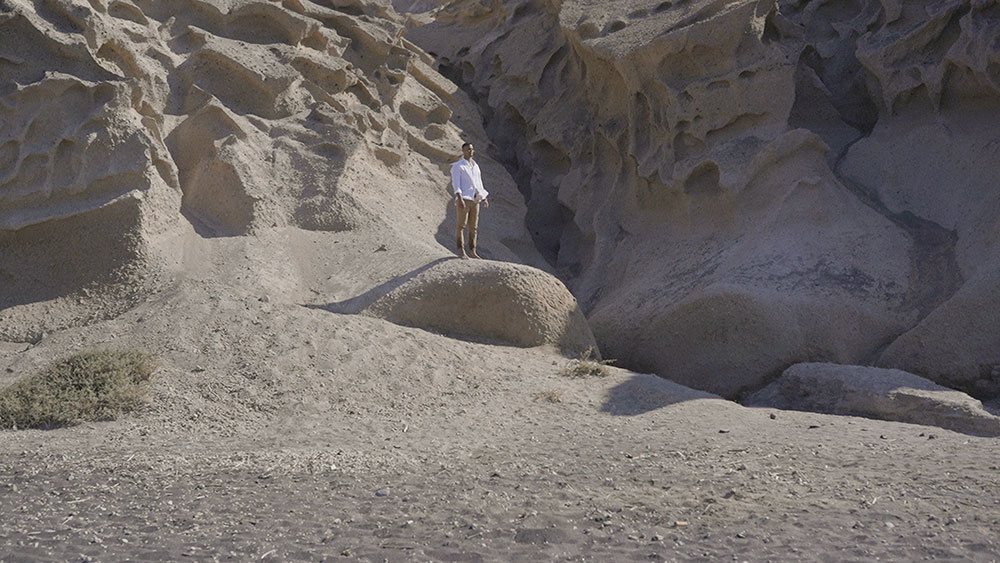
<point x="468" y="215"/>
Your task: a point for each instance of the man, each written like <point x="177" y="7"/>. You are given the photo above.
<point x="467" y="182"/>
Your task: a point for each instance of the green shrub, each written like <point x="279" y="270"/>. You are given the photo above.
<point x="585" y="366"/>
<point x="89" y="386"/>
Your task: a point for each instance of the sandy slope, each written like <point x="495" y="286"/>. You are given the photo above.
<point x="282" y="425"/>
<point x="279" y="430"/>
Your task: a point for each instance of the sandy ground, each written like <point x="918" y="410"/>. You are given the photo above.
<point x="279" y="430"/>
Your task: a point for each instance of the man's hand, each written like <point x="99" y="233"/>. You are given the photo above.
<point x="459" y="203"/>
<point x="486" y="203"/>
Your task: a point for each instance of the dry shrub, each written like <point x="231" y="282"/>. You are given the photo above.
<point x="548" y="396"/>
<point x="587" y="366"/>
<point x="89" y="386"/>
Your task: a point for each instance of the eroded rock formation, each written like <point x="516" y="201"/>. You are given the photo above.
<point x="886" y="394"/>
<point x="727" y="187"/>
<point x="733" y="187"/>
<point x="126" y="122"/>
<point x="490" y="300"/>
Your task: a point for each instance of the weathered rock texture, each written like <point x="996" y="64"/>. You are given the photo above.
<point x="886" y="394"/>
<point x="733" y="187"/>
<point x="127" y="122"/>
<point x="728" y="187"/>
<point x="509" y="303"/>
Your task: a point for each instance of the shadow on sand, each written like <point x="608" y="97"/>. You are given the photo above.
<point x="643" y="393"/>
<point x="356" y="304"/>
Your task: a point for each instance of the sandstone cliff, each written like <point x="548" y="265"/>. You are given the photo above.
<point x="727" y="187"/>
<point x="135" y="132"/>
<point x="733" y="187"/>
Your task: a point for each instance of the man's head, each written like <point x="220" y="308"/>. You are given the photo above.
<point x="468" y="151"/>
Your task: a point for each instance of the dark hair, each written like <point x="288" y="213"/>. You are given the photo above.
<point x="466" y="145"/>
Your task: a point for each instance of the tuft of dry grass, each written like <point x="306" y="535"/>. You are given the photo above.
<point x="587" y="366"/>
<point x="549" y="396"/>
<point x="89" y="386"/>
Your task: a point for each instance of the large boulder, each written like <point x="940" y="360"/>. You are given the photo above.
<point x="886" y="394"/>
<point x="509" y="303"/>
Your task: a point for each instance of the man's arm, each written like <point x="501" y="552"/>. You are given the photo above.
<point x="456" y="179"/>
<point x="456" y="185"/>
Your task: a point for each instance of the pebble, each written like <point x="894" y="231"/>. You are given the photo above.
<point x="382" y="493"/>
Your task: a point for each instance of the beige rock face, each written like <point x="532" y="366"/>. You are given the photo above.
<point x="886" y="394"/>
<point x="932" y="161"/>
<point x="683" y="210"/>
<point x="131" y="125"/>
<point x="484" y="299"/>
<point x="726" y="187"/>
<point x="733" y="187"/>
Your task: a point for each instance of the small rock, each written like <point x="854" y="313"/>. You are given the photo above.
<point x="382" y="493"/>
<point x="890" y="525"/>
<point x="656" y="537"/>
<point x="773" y="416"/>
<point x="680" y="523"/>
<point x="723" y="431"/>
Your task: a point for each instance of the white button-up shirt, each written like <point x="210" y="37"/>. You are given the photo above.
<point x="467" y="180"/>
